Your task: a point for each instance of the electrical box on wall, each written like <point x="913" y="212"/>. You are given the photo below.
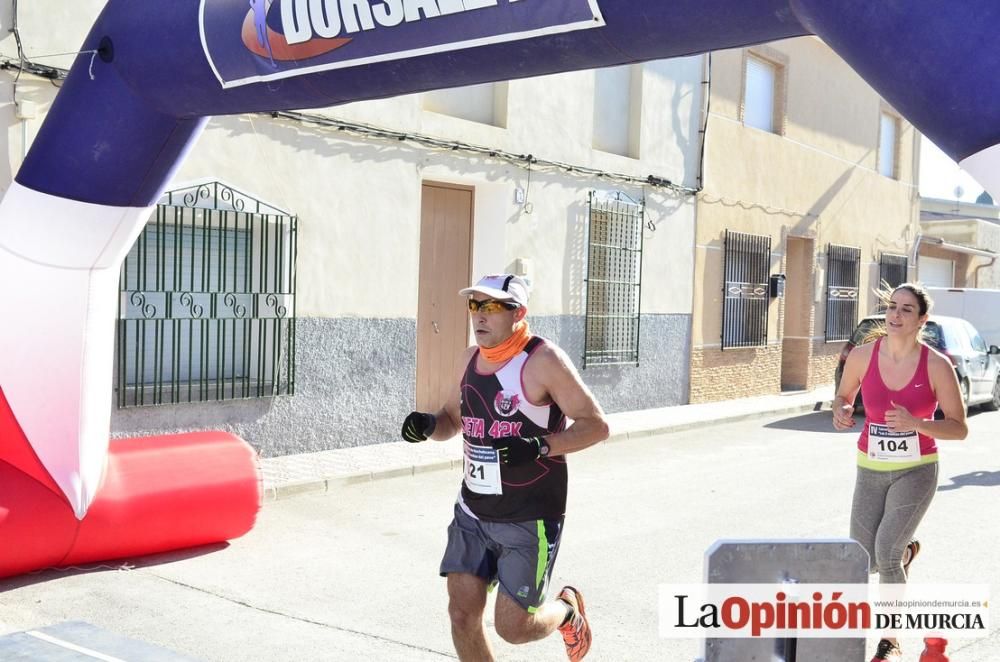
<point x="522" y="267"/>
<point x="26" y="110"/>
<point x="777" y="286"/>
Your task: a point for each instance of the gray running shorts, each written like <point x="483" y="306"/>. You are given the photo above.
<point x="519" y="556"/>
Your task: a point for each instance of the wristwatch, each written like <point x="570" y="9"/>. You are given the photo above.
<point x="543" y="448"/>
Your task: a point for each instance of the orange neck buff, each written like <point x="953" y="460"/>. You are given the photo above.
<point x="509" y="348"/>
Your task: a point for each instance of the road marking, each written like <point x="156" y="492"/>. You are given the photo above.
<point x="73" y="647"/>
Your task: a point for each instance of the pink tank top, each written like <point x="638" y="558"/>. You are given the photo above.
<point x="917" y="397"/>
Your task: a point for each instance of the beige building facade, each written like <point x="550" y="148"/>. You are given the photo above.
<point x="809" y="187"/>
<point x="959" y="244"/>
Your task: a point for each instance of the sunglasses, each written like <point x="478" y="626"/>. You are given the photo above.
<point x="490" y="306"/>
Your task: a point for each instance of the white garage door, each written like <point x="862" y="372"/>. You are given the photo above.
<point x="936" y="271"/>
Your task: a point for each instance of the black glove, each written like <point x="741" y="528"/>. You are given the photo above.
<point x="418" y="426"/>
<point x="513" y="451"/>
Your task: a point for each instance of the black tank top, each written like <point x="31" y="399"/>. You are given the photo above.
<point x="495" y="406"/>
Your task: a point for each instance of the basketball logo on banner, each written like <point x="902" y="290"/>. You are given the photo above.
<point x="277" y="39"/>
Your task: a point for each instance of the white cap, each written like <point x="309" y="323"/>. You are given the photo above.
<point x="502" y="287"/>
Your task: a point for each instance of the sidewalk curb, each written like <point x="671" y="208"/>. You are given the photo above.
<point x="326" y="485"/>
<point x="323" y="485"/>
<point x="734" y="418"/>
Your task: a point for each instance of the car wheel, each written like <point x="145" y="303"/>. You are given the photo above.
<point x="994" y="403"/>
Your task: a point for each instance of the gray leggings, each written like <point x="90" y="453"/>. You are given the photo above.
<point x="888" y="506"/>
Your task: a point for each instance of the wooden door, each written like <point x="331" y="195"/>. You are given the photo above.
<point x="796" y="337"/>
<point x="445" y="268"/>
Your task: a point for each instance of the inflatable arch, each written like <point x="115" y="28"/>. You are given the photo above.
<point x="125" y="118"/>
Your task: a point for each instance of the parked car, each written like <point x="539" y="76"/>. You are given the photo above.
<point x="981" y="307"/>
<point x="977" y="366"/>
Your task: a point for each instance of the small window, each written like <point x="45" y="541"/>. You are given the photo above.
<point x="485" y="103"/>
<point x="887" y="144"/>
<point x="978" y="344"/>
<point x="745" y="305"/>
<point x="617" y="107"/>
<point x="956" y="339"/>
<point x="843" y="277"/>
<point x="614" y="269"/>
<point x="760" y="102"/>
<point x="207" y="308"/>
<point x="933" y="335"/>
<point x="892" y="270"/>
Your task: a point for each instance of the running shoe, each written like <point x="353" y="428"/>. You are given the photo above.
<point x="576" y="631"/>
<point x="886" y="650"/>
<point x="910" y="553"/>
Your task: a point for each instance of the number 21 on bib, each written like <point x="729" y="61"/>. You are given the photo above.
<point x="482" y="469"/>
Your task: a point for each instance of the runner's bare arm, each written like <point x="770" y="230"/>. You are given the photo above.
<point x="449" y="417"/>
<point x="850" y="382"/>
<point x="945" y="385"/>
<point x="552" y="370"/>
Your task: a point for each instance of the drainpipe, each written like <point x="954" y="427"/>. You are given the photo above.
<point x="975" y="274"/>
<point x="915" y="253"/>
<point x="916" y="248"/>
<point x="706" y="107"/>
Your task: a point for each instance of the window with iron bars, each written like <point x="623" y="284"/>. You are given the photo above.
<point x="892" y="270"/>
<point x="744" y="308"/>
<point x="207" y="307"/>
<point x="614" y="269"/>
<point x="843" y="277"/>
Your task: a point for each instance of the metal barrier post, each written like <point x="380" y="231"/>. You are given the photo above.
<point x="837" y="561"/>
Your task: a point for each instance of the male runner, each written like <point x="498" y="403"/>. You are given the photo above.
<point x="512" y="403"/>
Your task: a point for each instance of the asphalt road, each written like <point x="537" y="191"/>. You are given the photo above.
<point x="352" y="575"/>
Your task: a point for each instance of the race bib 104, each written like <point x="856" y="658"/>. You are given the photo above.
<point x="884" y="445"/>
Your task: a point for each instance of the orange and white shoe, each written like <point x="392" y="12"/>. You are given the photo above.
<point x="576" y="631"/>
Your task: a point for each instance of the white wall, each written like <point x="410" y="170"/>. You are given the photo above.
<point x="48" y="27"/>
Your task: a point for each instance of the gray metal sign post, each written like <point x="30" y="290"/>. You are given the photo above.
<point x="836" y="561"/>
